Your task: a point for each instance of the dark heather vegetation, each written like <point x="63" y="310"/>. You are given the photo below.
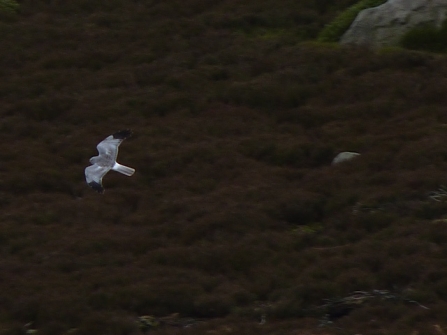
<point x="235" y="222"/>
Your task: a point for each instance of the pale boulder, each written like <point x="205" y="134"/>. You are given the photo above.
<point x="386" y="24"/>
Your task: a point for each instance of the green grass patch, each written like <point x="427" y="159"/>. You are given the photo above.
<point x="9" y="6"/>
<point x="426" y="38"/>
<point x="335" y="29"/>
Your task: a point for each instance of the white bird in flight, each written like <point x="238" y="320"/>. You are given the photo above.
<point x="106" y="160"/>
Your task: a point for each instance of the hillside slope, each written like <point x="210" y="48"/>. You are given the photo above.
<point x="234" y="214"/>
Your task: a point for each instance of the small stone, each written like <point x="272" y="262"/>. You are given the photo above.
<point x="344" y="156"/>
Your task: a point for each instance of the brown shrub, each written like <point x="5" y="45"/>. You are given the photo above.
<point x="234" y="204"/>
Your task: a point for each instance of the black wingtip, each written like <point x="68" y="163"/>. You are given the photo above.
<point x="122" y="134"/>
<point x="97" y="187"/>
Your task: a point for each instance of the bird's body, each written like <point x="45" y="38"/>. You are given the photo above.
<point x="106" y="160"/>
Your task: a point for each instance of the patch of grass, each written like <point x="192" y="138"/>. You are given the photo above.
<point x="335" y="29"/>
<point x="426" y="38"/>
<point x="9" y="6"/>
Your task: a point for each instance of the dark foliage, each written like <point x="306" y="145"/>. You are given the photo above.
<point x="235" y="216"/>
<point x="428" y="38"/>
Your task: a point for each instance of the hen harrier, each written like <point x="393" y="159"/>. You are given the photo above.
<point x="106" y="160"/>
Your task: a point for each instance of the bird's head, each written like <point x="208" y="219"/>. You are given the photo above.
<point x="93" y="160"/>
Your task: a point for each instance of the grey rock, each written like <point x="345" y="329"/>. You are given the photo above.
<point x="344" y="156"/>
<point x="385" y="25"/>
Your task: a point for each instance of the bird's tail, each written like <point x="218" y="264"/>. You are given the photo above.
<point x="128" y="171"/>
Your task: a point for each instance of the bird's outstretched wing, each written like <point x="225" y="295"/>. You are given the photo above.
<point x="108" y="150"/>
<point x="109" y="146"/>
<point x="93" y="176"/>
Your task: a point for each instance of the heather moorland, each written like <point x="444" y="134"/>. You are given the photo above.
<point x="235" y="221"/>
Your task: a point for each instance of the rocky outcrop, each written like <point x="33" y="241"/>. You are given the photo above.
<point x="384" y="25"/>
